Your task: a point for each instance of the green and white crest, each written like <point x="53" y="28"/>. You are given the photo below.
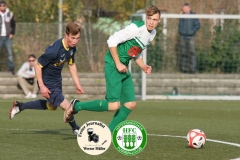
<point x="129" y="137"/>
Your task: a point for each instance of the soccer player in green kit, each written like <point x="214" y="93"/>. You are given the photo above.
<point x="124" y="45"/>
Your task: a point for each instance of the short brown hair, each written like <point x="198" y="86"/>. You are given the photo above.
<point x="73" y="28"/>
<point x="152" y="10"/>
<point x="186" y="4"/>
<point x="32" y="55"/>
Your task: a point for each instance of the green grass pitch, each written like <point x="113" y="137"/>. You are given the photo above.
<point x="35" y="134"/>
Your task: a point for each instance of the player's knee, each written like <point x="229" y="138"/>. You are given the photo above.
<point x="113" y="106"/>
<point x="51" y="107"/>
<point x="130" y="105"/>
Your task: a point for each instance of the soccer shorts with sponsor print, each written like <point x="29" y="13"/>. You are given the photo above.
<point x="119" y="86"/>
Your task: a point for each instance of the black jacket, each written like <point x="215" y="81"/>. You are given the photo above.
<point x="9" y="22"/>
<point x="188" y="27"/>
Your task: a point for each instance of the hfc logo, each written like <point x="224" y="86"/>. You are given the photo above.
<point x="129" y="137"/>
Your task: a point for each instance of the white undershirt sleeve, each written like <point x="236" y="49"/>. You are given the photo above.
<point x="123" y="35"/>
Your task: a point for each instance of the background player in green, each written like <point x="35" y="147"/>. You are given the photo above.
<point x="124" y="45"/>
<point x="48" y="72"/>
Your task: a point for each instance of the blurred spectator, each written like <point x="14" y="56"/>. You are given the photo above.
<point x="7" y="30"/>
<point x="27" y="79"/>
<point x="187" y="29"/>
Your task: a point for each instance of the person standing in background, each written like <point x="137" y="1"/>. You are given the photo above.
<point x="187" y="29"/>
<point x="7" y="24"/>
<point x="27" y="79"/>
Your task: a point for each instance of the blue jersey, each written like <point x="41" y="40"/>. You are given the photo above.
<point x="52" y="62"/>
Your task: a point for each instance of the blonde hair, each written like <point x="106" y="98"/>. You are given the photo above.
<point x="151" y="10"/>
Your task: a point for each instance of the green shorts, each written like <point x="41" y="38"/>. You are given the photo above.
<point x="119" y="86"/>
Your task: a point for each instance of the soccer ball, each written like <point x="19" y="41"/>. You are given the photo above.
<point x="196" y="138"/>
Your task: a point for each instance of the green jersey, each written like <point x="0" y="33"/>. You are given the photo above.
<point x="130" y="42"/>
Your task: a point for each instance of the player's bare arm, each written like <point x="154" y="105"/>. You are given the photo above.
<point x="146" y="68"/>
<point x="43" y="89"/>
<point x="74" y="74"/>
<point x="120" y="67"/>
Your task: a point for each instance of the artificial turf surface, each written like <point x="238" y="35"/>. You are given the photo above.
<point x="35" y="134"/>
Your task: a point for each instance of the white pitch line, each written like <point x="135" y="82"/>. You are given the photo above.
<point x="211" y="140"/>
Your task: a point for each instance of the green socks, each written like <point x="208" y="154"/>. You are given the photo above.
<point x="96" y="105"/>
<point x="102" y="105"/>
<point x="120" y="116"/>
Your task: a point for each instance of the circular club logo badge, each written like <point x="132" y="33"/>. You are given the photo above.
<point x="129" y="137"/>
<point x="94" y="137"/>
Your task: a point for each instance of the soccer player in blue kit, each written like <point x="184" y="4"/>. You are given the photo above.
<point x="48" y="72"/>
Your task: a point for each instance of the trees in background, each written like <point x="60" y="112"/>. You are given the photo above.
<point x="47" y="11"/>
<point x="37" y="25"/>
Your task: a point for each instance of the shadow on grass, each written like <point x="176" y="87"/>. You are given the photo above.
<point x="193" y="148"/>
<point x="65" y="132"/>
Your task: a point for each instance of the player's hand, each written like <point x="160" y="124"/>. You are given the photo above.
<point x="122" y="68"/>
<point x="45" y="92"/>
<point x="80" y="89"/>
<point x="147" y="69"/>
<point x="10" y="36"/>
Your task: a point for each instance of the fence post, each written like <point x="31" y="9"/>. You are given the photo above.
<point x="144" y="83"/>
<point x="60" y="18"/>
